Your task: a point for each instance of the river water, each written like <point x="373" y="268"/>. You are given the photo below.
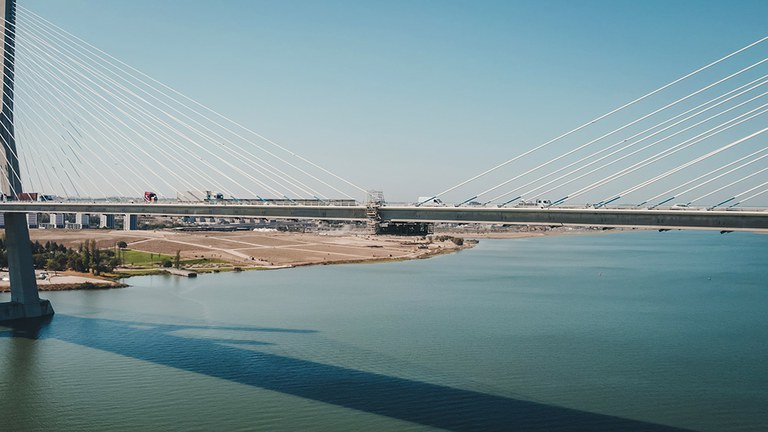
<point x="624" y="331"/>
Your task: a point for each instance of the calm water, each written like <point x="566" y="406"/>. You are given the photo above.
<point x="627" y="331"/>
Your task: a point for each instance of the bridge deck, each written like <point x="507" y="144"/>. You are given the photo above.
<point x="661" y="218"/>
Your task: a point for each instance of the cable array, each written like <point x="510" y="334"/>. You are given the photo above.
<point x="696" y="126"/>
<point x="89" y="126"/>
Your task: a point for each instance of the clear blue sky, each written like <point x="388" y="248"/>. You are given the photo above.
<point x="412" y="96"/>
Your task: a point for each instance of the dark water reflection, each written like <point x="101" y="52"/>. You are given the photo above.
<point x="419" y="402"/>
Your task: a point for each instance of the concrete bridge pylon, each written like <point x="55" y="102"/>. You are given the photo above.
<point x="25" y="301"/>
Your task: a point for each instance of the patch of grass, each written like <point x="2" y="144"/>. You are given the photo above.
<point x="140" y="258"/>
<point x="150" y="260"/>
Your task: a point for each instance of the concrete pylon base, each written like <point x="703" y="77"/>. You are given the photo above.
<point x="16" y="311"/>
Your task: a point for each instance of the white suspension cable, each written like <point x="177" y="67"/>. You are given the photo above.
<point x="738" y="92"/>
<point x="96" y="155"/>
<point x="751" y="196"/>
<point x="698" y="185"/>
<point x="572" y="131"/>
<point x="36" y="182"/>
<point x="44" y="121"/>
<point x="660" y="155"/>
<point x="21" y="89"/>
<point x="137" y="122"/>
<point x="119" y="64"/>
<point x="35" y="73"/>
<point x="236" y="154"/>
<point x="98" y="97"/>
<point x="619" y="129"/>
<point x="747" y="177"/>
<point x="663" y="154"/>
<point x="153" y="117"/>
<point x="687" y="164"/>
<point x="27" y="138"/>
<point x="104" y="125"/>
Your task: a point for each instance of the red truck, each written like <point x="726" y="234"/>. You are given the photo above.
<point x="28" y="196"/>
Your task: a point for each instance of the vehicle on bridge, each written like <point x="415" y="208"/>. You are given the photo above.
<point x="540" y="203"/>
<point x="426" y="201"/>
<point x="27" y="196"/>
<point x="150" y="197"/>
<point x="685" y="207"/>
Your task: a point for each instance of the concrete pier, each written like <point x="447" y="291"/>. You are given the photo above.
<point x="130" y="222"/>
<point x="25" y="301"/>
<point x="33" y="220"/>
<point x="84" y="219"/>
<point x="56" y="220"/>
<point x="107" y="221"/>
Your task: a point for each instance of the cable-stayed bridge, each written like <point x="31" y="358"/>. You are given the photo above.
<point x="89" y="134"/>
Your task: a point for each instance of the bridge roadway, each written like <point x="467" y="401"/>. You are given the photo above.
<point x="610" y="217"/>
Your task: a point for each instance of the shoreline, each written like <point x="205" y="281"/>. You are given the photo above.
<point x="70" y="281"/>
<point x="271" y="251"/>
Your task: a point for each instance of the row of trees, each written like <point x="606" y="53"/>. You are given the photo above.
<point x="53" y="256"/>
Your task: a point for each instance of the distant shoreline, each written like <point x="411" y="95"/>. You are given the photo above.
<point x="236" y="251"/>
<point x="270" y="251"/>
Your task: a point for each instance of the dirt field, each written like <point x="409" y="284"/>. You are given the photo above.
<point x="257" y="249"/>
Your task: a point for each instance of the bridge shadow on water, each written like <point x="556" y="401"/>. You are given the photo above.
<point x="414" y="401"/>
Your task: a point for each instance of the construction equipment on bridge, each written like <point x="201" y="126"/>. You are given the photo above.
<point x="374" y="200"/>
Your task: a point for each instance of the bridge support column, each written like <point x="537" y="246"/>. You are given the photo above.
<point x="83" y="219"/>
<point x="130" y="222"/>
<point x="107" y="221"/>
<point x="25" y="301"/>
<point x="33" y="220"/>
<point x="56" y="220"/>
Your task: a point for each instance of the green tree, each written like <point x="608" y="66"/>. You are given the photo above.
<point x="114" y="262"/>
<point x="96" y="265"/>
<point x="75" y="262"/>
<point x="57" y="257"/>
<point x="85" y="255"/>
<point x="55" y="263"/>
<point x="177" y="260"/>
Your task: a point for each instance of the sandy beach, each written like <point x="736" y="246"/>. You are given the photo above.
<point x="61" y="281"/>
